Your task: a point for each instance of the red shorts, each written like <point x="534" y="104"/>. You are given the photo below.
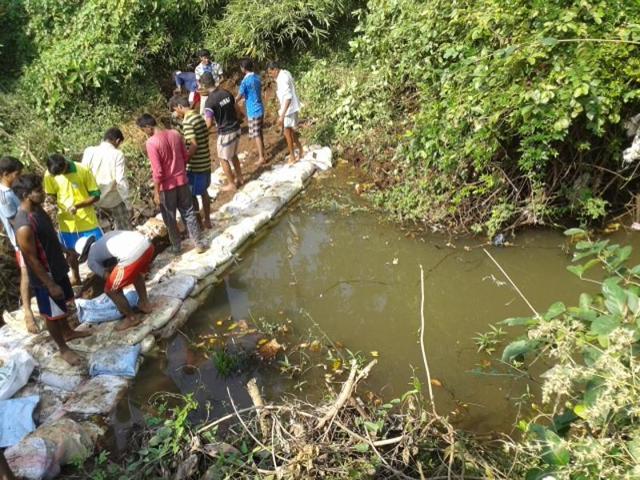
<point x="20" y="259"/>
<point x="120" y="277"/>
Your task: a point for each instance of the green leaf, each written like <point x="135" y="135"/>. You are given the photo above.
<point x="553" y="451"/>
<point x="518" y="348"/>
<point x="604" y="325"/>
<point x="518" y="321"/>
<point x="634" y="447"/>
<point x="361" y="447"/>
<point x="616" y="297"/>
<point x="555" y="310"/>
<point x="549" y="42"/>
<point x="580" y="410"/>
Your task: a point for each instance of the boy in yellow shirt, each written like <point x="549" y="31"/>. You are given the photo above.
<point x="74" y="189"/>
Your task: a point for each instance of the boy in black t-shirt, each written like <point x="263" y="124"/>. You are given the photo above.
<point x="221" y="107"/>
<point x="46" y="263"/>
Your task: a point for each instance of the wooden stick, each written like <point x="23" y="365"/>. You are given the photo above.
<point x="256" y="398"/>
<point x="512" y="283"/>
<point x="422" y="347"/>
<point x="345" y="393"/>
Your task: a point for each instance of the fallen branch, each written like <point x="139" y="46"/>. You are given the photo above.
<point x="256" y="398"/>
<point x="345" y="393"/>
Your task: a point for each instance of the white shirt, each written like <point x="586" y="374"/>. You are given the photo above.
<point x="125" y="246"/>
<point x="286" y="90"/>
<point x="108" y="165"/>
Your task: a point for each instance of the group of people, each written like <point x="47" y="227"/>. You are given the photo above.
<point x="181" y="171"/>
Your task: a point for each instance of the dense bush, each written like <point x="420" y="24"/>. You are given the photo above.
<point x="504" y="111"/>
<point x="588" y="425"/>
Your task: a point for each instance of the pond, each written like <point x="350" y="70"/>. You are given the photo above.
<point x="334" y="267"/>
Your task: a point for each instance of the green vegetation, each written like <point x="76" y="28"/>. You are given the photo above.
<point x="488" y="114"/>
<point x="587" y="426"/>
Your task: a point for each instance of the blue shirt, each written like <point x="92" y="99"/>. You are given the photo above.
<point x="251" y="90"/>
<point x="187" y="80"/>
<point x="9" y="205"/>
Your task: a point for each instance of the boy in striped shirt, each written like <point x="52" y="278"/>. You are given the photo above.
<point x="196" y="135"/>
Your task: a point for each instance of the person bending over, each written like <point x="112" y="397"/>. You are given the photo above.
<point x="121" y="258"/>
<point x="46" y="265"/>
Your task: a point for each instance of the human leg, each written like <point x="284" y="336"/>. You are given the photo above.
<point x="72" y="260"/>
<point x="168" y="206"/>
<point x="238" y="170"/>
<point x="255" y="132"/>
<point x="288" y="136"/>
<point x="206" y="209"/>
<point x="231" y="180"/>
<point x="260" y="146"/>
<point x="131" y="319"/>
<point x="120" y="215"/>
<point x="297" y="144"/>
<point x="185" y="206"/>
<point x="144" y="305"/>
<point x="25" y="295"/>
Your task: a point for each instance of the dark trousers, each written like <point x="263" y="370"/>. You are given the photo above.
<point x="179" y="199"/>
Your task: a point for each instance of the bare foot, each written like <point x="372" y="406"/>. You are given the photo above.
<point x="71" y="357"/>
<point x="73" y="334"/>
<point x="128" y="322"/>
<point x="30" y="323"/>
<point x="229" y="187"/>
<point x="145" y="307"/>
<point x="260" y="162"/>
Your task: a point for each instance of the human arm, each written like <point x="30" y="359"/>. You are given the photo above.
<point x="190" y="138"/>
<point x="92" y="188"/>
<point x="122" y="184"/>
<point x="27" y="244"/>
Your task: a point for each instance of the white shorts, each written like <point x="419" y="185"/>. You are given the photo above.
<point x="291" y="121"/>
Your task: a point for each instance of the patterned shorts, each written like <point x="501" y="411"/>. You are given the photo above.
<point x="228" y="145"/>
<point x="255" y="127"/>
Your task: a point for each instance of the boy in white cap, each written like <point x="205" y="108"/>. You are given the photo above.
<point x="121" y="258"/>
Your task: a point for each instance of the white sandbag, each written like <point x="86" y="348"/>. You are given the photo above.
<point x="147" y="344"/>
<point x="97" y="396"/>
<point x="33" y="458"/>
<point x="51" y="401"/>
<point x="321" y="158"/>
<point x="102" y="309"/>
<point x="119" y="360"/>
<point x="16" y="419"/>
<point x="177" y="286"/>
<point x="285" y="190"/>
<point x="15" y="372"/>
<point x="63" y="381"/>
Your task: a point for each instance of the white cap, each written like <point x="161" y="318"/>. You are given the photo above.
<point x="83" y="244"/>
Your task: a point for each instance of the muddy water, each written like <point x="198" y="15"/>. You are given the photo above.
<point x="357" y="279"/>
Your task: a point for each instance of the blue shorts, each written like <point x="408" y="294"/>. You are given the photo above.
<point x="199" y="182"/>
<point x="53" y="308"/>
<point x="69" y="239"/>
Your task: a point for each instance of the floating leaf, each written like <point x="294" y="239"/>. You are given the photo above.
<point x="374" y="354"/>
<point x="436" y="383"/>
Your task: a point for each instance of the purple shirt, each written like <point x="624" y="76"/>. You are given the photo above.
<point x="168" y="156"/>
